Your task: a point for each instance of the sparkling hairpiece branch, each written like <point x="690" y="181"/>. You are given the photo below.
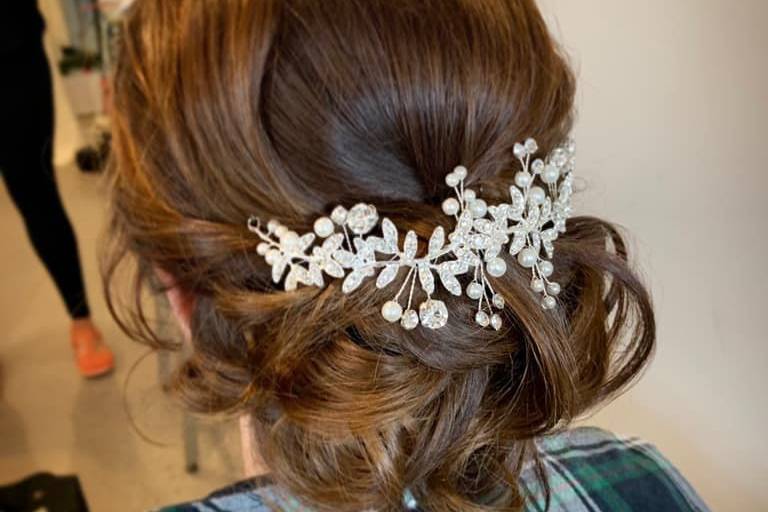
<point x="526" y="228"/>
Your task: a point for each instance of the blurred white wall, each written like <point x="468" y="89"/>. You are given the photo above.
<point x="672" y="134"/>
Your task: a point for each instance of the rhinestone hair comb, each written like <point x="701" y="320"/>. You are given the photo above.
<point x="531" y="222"/>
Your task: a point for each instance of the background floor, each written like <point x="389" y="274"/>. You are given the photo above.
<point x="52" y="420"/>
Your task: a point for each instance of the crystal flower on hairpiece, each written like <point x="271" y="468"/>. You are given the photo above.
<point x="526" y="227"/>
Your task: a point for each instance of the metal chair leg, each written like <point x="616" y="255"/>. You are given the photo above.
<point x="190" y="443"/>
<point x="164" y="369"/>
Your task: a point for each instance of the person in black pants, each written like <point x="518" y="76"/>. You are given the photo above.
<point x="26" y="164"/>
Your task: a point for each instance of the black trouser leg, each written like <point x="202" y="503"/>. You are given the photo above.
<point x="26" y="134"/>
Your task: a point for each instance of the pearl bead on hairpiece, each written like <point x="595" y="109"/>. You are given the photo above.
<point x="540" y="205"/>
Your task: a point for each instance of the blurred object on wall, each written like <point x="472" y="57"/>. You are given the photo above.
<point x="85" y="65"/>
<point x="114" y="8"/>
<point x="93" y="157"/>
<point x="80" y="63"/>
<point x="82" y="80"/>
<point x="68" y="137"/>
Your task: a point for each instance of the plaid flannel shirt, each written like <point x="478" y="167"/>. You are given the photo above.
<point x="588" y="470"/>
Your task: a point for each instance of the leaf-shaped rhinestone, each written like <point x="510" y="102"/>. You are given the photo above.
<point x="333" y="269"/>
<point x="499" y="212"/>
<point x="296" y="275"/>
<point x="364" y="250"/>
<point x="464" y="226"/>
<point x="323" y="259"/>
<point x="467" y="257"/>
<point x="483" y="226"/>
<point x="536" y="241"/>
<point x="548" y="235"/>
<point x="532" y="219"/>
<point x="278" y="269"/>
<point x="518" y="242"/>
<point x="459" y="267"/>
<point x="291" y="280"/>
<point x="449" y="280"/>
<point x="390" y="235"/>
<point x="345" y="258"/>
<point x="549" y="248"/>
<point x="315" y="276"/>
<point x="492" y="251"/>
<point x="518" y="201"/>
<point x="333" y="242"/>
<point x="436" y="241"/>
<point x="426" y="278"/>
<point x="379" y="245"/>
<point x="305" y="241"/>
<point x="546" y="211"/>
<point x="353" y="281"/>
<point x="410" y="246"/>
<point x="387" y="275"/>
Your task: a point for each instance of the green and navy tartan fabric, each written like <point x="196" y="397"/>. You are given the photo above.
<point x="592" y="470"/>
<point x="588" y="470"/>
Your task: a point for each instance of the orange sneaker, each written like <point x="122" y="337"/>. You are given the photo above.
<point x="93" y="357"/>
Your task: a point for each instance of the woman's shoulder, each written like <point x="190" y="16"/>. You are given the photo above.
<point x="591" y="469"/>
<point x="586" y="469"/>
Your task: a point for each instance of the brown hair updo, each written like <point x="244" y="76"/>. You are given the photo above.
<point x="286" y="108"/>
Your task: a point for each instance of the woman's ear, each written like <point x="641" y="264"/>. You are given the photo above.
<point x="182" y="302"/>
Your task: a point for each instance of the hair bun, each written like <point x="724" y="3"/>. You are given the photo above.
<point x="281" y="108"/>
